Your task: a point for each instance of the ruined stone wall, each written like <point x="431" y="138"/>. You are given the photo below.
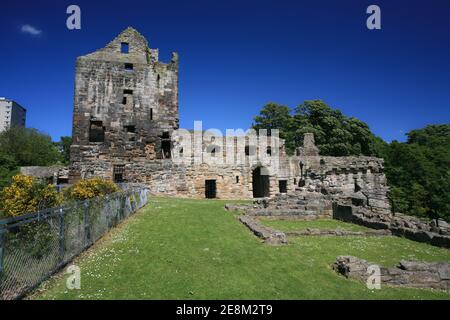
<point x="125" y="114"/>
<point x="413" y="228"/>
<point x="164" y="177"/>
<point x="342" y="176"/>
<point x="123" y="104"/>
<point x="411" y="274"/>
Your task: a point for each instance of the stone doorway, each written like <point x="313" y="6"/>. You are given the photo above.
<point x="260" y="183"/>
<point x="210" y="189"/>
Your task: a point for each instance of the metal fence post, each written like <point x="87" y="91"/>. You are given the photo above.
<point x="62" y="235"/>
<point x="87" y="224"/>
<point x="2" y="250"/>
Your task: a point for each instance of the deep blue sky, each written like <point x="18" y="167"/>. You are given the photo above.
<point x="235" y="56"/>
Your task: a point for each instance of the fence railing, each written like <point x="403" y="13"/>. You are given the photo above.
<point x="36" y="245"/>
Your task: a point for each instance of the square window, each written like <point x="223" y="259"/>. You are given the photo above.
<point x="124" y="47"/>
<point x="96" y="131"/>
<point x="118" y="173"/>
<point x="128" y="66"/>
<point x="282" y="185"/>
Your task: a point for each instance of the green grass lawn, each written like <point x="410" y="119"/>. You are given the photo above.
<point x="194" y="249"/>
<point x="297" y="224"/>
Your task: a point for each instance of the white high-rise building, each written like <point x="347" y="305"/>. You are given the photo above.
<point x="12" y="114"/>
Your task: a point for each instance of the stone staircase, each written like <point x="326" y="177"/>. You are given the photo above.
<point x="300" y="203"/>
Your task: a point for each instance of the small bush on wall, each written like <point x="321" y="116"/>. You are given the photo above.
<point x="91" y="188"/>
<point x="26" y="194"/>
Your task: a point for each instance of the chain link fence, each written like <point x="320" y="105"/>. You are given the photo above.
<point x="36" y="245"/>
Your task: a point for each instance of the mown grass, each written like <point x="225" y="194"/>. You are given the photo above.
<point x="297" y="224"/>
<point x="194" y="249"/>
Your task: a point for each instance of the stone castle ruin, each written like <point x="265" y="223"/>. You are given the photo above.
<point x="124" y="128"/>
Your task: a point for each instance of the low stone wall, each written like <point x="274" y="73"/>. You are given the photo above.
<point x="400" y="225"/>
<point x="55" y="174"/>
<point x="338" y="233"/>
<point x="267" y="234"/>
<point x="307" y="205"/>
<point x="435" y="275"/>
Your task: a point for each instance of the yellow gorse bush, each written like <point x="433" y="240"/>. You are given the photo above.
<point x="26" y="194"/>
<point x="91" y="188"/>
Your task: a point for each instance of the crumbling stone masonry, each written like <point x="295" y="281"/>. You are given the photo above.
<point x="412" y="274"/>
<point x="268" y="235"/>
<point x="125" y="107"/>
<point x="413" y="228"/>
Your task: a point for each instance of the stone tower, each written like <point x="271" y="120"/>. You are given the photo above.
<point x="125" y="107"/>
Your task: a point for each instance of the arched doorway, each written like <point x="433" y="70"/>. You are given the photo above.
<point x="260" y="183"/>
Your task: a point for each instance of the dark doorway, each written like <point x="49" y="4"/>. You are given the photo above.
<point x="165" y="148"/>
<point x="282" y="185"/>
<point x="210" y="189"/>
<point x="260" y="184"/>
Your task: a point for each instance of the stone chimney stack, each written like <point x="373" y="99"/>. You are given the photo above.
<point x="309" y="148"/>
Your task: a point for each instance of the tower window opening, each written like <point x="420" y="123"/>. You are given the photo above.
<point x="118" y="172"/>
<point x="130" y="130"/>
<point x="250" y="150"/>
<point x="124" y="47"/>
<point x="165" y="135"/>
<point x="357" y="188"/>
<point x="96" y="131"/>
<point x="282" y="185"/>
<point x="128" y="66"/>
<point x="166" y="149"/>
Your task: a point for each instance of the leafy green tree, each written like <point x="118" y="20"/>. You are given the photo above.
<point x="335" y="134"/>
<point x="25" y="147"/>
<point x="29" y="147"/>
<point x="64" y="147"/>
<point x="8" y="168"/>
<point x="418" y="172"/>
<point x="275" y="116"/>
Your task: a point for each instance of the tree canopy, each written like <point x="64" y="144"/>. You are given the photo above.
<point x="418" y="172"/>
<point x="25" y="147"/>
<point x="335" y="134"/>
<point x="64" y="148"/>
